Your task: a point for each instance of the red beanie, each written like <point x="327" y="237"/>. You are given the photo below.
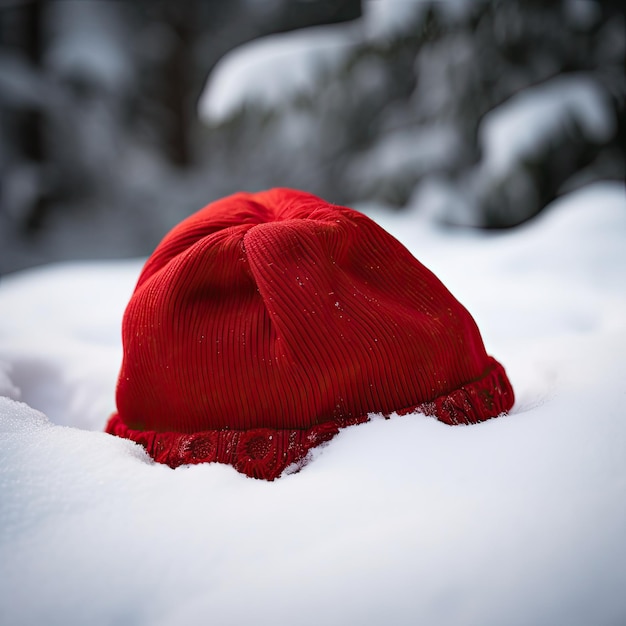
<point x="265" y="322"/>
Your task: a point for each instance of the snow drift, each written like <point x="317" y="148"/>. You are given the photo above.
<point x="515" y="521"/>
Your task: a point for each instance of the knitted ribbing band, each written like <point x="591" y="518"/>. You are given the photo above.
<point x="266" y="453"/>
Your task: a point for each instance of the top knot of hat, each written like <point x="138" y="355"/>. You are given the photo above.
<point x="265" y="322"/>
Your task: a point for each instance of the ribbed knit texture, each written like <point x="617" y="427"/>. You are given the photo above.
<point x="265" y="322"/>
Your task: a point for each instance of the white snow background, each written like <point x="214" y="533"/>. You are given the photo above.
<point x="517" y="521"/>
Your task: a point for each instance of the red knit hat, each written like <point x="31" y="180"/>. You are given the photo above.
<point x="265" y="322"/>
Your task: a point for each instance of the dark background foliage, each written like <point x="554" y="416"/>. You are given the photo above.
<point x="102" y="148"/>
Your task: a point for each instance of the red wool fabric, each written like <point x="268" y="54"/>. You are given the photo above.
<point x="265" y="322"/>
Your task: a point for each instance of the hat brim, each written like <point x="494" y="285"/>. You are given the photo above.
<point x="266" y="453"/>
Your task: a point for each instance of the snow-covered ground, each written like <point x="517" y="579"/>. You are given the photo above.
<point x="520" y="520"/>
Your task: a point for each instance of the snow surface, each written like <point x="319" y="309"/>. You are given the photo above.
<point x="519" y="520"/>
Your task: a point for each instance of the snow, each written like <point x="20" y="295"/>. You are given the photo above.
<point x="416" y="150"/>
<point x="519" y="520"/>
<point x="533" y="119"/>
<point x="269" y="70"/>
<point x="386" y="19"/>
<point x="276" y="69"/>
<point x="7" y="388"/>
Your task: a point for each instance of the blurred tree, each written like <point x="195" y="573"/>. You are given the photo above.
<point x="101" y="149"/>
<point x="402" y="116"/>
<point x="98" y="115"/>
<point x="22" y="117"/>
